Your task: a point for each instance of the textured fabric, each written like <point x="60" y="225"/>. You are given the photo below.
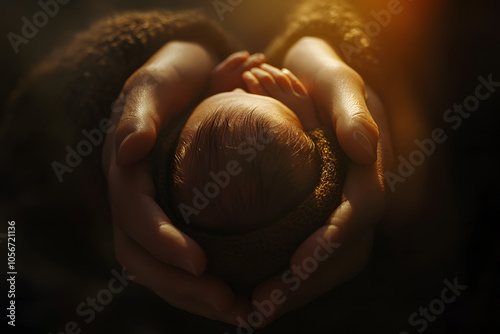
<point x="336" y="23"/>
<point x="244" y="260"/>
<point x="74" y="87"/>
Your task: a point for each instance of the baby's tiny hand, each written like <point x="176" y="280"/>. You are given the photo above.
<point x="285" y="87"/>
<point x="227" y="76"/>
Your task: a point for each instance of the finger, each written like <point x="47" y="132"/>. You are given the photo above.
<point x="279" y="77"/>
<point x="131" y="195"/>
<point x="253" y="84"/>
<point x="385" y="148"/>
<point x="137" y="129"/>
<point x="308" y="280"/>
<point x="157" y="92"/>
<point x="233" y="61"/>
<point x="267" y="81"/>
<point x="334" y="253"/>
<point x="362" y="207"/>
<point x="206" y="295"/>
<point x="346" y="109"/>
<point x="254" y="60"/>
<point x="297" y="86"/>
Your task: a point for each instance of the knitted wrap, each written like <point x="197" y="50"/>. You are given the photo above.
<point x="335" y="22"/>
<point x="74" y="87"/>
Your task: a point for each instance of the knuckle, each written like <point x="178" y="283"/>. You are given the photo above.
<point x="140" y="78"/>
<point x="267" y="79"/>
<point x="342" y="72"/>
<point x="266" y="75"/>
<point x="358" y="110"/>
<point x="361" y="114"/>
<point x="354" y="76"/>
<point x="128" y="117"/>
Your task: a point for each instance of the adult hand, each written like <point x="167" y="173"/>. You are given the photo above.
<point x="147" y="244"/>
<point x="339" y="250"/>
<point x="339" y="94"/>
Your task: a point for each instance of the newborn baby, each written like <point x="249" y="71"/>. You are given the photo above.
<point x="244" y="160"/>
<point x="251" y="175"/>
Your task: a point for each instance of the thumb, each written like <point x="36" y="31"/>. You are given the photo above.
<point x="345" y="105"/>
<point x="138" y="127"/>
<point x="357" y="133"/>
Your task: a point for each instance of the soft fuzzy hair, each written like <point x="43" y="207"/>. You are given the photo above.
<point x="272" y="156"/>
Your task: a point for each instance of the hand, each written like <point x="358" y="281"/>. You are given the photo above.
<point x="147" y="244"/>
<point x="285" y="87"/>
<point x="339" y="94"/>
<point x="227" y="75"/>
<point x="338" y="250"/>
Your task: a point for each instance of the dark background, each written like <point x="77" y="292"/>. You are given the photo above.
<point x="64" y="247"/>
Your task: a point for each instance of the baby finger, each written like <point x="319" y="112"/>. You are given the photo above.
<point x="281" y="78"/>
<point x="267" y="81"/>
<point x="253" y="84"/>
<point x="298" y="87"/>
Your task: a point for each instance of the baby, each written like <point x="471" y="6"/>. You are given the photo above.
<point x="250" y="175"/>
<point x="245" y="160"/>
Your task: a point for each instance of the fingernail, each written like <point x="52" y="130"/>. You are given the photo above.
<point x="119" y="144"/>
<point x="248" y="75"/>
<point x="265" y="65"/>
<point x="366" y="144"/>
<point x="261" y="56"/>
<point x="186" y="265"/>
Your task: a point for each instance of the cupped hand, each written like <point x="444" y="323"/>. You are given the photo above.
<point x="339" y="94"/>
<point x="147" y="244"/>
<point x="338" y="250"/>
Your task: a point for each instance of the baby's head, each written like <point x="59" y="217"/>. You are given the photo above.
<point x="242" y="161"/>
<point x="245" y="180"/>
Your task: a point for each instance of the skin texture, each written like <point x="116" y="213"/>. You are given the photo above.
<point x="173" y="265"/>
